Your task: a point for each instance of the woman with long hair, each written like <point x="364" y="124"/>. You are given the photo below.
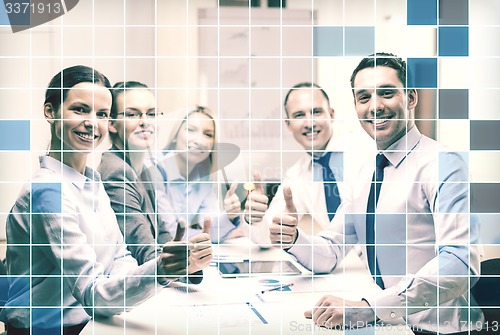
<point x="132" y="129"/>
<point x="189" y="193"/>
<point x="66" y="259"/>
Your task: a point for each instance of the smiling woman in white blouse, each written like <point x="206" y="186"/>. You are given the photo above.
<point x="189" y="193"/>
<point x="66" y="259"/>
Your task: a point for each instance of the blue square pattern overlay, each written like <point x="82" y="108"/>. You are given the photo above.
<point x="453" y="12"/>
<point x="46" y="198"/>
<point x="453" y="41"/>
<point x="46" y="316"/>
<point x="4" y="19"/>
<point x="328" y="41"/>
<point x="453" y="180"/>
<point x="485" y="198"/>
<point x="449" y="161"/>
<point x="422" y="73"/>
<point x="485" y="135"/>
<point x="421" y="12"/>
<point x="4" y="290"/>
<point x="454" y="104"/>
<point x="359" y="41"/>
<point x="18" y="12"/>
<point x="18" y="293"/>
<point x="14" y="135"/>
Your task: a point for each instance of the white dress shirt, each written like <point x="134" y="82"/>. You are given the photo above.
<point x="66" y="258"/>
<point x="426" y="238"/>
<point x="305" y="178"/>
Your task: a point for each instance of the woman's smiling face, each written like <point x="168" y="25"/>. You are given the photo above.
<point x="195" y="138"/>
<point x="81" y="123"/>
<point x="136" y="132"/>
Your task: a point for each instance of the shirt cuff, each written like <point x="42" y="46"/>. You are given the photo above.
<point x="388" y="305"/>
<point x="303" y="240"/>
<point x="302" y="249"/>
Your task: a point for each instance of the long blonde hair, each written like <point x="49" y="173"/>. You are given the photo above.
<point x="179" y="119"/>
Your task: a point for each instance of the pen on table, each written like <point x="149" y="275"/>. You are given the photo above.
<point x="256" y="312"/>
<point x="226" y="182"/>
<point x="277" y="288"/>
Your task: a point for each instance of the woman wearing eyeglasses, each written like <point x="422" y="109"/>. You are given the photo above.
<point x="187" y="166"/>
<point x="133" y="130"/>
<point x="66" y="258"/>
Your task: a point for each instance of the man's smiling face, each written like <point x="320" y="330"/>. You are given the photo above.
<point x="309" y="118"/>
<point x="383" y="106"/>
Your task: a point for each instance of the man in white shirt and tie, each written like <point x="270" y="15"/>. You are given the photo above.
<point x="410" y="215"/>
<point x="315" y="178"/>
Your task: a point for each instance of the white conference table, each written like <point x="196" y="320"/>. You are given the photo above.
<point x="238" y="306"/>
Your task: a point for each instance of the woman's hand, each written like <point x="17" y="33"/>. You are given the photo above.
<point x="200" y="249"/>
<point x="232" y="204"/>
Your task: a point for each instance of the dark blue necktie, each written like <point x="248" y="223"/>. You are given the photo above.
<point x="378" y="177"/>
<point x="332" y="196"/>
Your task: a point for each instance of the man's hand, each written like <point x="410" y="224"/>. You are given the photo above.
<point x="173" y="260"/>
<point x="283" y="229"/>
<point x="256" y="204"/>
<point x="181" y="229"/>
<point x="232" y="204"/>
<point x="329" y="312"/>
<point x="200" y="249"/>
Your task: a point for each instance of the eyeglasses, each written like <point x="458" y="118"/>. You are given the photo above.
<point x="138" y="115"/>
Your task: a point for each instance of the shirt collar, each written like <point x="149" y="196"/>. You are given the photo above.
<point x="69" y="174"/>
<point x="398" y="151"/>
<point x="334" y="145"/>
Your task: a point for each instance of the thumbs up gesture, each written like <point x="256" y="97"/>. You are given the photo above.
<point x="181" y="229"/>
<point x="256" y="204"/>
<point x="173" y="260"/>
<point x="232" y="204"/>
<point x="283" y="229"/>
<point x="200" y="248"/>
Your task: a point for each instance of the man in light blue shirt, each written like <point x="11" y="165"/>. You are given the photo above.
<point x="420" y="241"/>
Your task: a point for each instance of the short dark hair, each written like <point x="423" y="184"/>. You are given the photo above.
<point x="62" y="82"/>
<point x="382" y="59"/>
<point x="119" y="88"/>
<point x="302" y="85"/>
